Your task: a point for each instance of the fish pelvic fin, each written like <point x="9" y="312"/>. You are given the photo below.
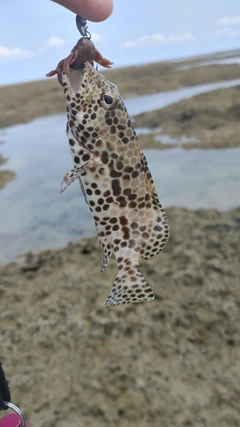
<point x="129" y="287"/>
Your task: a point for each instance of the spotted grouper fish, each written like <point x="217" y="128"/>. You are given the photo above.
<point x="115" y="180"/>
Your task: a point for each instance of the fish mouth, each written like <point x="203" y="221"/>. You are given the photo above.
<point x="80" y="81"/>
<point x="75" y="79"/>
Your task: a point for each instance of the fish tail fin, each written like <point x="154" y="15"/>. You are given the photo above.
<point x="130" y="286"/>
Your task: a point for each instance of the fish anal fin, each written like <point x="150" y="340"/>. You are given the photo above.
<point x="106" y="248"/>
<point x="106" y="255"/>
<point x="129" y="287"/>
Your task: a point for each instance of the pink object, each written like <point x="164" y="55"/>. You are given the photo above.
<point x="11" y="420"/>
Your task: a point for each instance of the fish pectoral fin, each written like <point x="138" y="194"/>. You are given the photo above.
<point x="70" y="177"/>
<point x="130" y="286"/>
<point x="73" y="174"/>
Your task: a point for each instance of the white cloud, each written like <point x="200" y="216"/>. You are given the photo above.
<point x="234" y="20"/>
<point x="181" y="37"/>
<point x="156" y="38"/>
<point x="55" y="42"/>
<point x="7" y="54"/>
<point x="228" y="32"/>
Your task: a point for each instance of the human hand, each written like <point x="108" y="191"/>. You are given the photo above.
<point x="91" y="10"/>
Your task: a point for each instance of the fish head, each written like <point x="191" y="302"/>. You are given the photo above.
<point x="94" y="107"/>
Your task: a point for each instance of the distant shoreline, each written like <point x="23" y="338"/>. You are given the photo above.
<point x="23" y="102"/>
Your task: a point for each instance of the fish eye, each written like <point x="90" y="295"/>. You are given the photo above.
<point x="107" y="101"/>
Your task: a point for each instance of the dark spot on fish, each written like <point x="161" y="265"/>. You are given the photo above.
<point x="123" y="220"/>
<point x="113" y="129"/>
<point x="113" y="220"/>
<point x="132" y="205"/>
<point x="123" y="244"/>
<point x="93" y="116"/>
<point x="116" y="187"/>
<point x="134" y="225"/>
<point x="132" y="196"/>
<point x="115" y="174"/>
<point x="119" y="165"/>
<point x="71" y="142"/>
<point x="80" y="127"/>
<point x="102" y="171"/>
<point x="128" y="169"/>
<point x="104" y="157"/>
<point x="76" y="159"/>
<point x="109" y="121"/>
<point x="135" y="174"/>
<point x="131" y="243"/>
<point x="122" y="201"/>
<point x="86" y="134"/>
<point x="85" y="157"/>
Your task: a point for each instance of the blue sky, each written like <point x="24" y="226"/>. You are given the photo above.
<point x="36" y="35"/>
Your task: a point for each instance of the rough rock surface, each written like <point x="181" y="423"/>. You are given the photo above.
<point x="171" y="362"/>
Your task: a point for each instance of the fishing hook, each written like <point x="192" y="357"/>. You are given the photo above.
<point x="82" y="27"/>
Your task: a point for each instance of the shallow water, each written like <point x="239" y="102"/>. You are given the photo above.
<point x="233" y="60"/>
<point x="167" y="139"/>
<point x="141" y="104"/>
<point x="34" y="215"/>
